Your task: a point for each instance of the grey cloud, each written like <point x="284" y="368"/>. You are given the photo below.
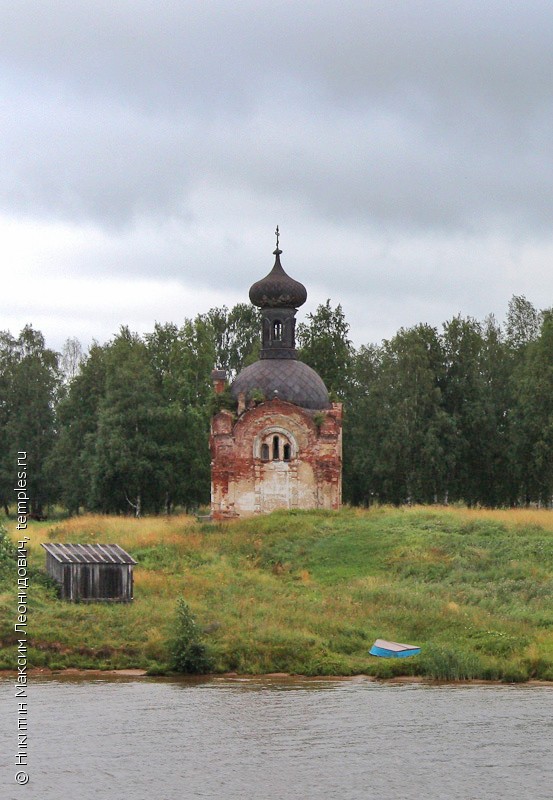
<point x="395" y="118"/>
<point x="112" y="165"/>
<point x="216" y="51"/>
<point x="90" y="161"/>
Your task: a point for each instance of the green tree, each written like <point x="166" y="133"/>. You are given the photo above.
<point x="29" y="381"/>
<point x="196" y="348"/>
<point x="533" y="423"/>
<point x="74" y="453"/>
<point x="476" y="397"/>
<point x="237" y="336"/>
<point x="324" y="345"/>
<point x="396" y="426"/>
<point x="128" y="466"/>
<point x="361" y="428"/>
<point x="182" y="361"/>
<point x="412" y="462"/>
<point x="8" y="358"/>
<point x="523" y="323"/>
<point x="72" y="355"/>
<point x="501" y="477"/>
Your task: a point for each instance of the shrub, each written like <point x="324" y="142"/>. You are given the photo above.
<point x="257" y="396"/>
<point x="188" y="653"/>
<point x="318" y="419"/>
<point x="223" y="400"/>
<point x="156" y="669"/>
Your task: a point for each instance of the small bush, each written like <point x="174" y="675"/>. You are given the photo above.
<point x="256" y="396"/>
<point x="156" y="669"/>
<point x="188" y="653"/>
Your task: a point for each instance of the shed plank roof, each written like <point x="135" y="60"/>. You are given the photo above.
<point x="88" y="553"/>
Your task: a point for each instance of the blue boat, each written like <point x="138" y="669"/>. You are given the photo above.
<point x="386" y="649"/>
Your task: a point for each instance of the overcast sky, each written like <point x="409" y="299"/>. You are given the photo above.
<point x="148" y="149"/>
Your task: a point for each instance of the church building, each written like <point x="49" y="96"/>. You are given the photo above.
<point x="281" y="448"/>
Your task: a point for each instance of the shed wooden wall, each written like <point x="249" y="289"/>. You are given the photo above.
<point x="92" y="582"/>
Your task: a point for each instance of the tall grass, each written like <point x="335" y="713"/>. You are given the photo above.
<point x="308" y="592"/>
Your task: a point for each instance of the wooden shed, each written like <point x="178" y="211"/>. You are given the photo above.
<point x="91" y="572"/>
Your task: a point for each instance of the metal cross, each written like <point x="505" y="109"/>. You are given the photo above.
<point x="277" y="235"/>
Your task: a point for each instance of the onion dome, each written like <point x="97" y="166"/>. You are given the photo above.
<point x="278" y="373"/>
<point x="277" y="289"/>
<point x="289" y="380"/>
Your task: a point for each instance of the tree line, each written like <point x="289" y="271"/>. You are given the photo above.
<point x="461" y="413"/>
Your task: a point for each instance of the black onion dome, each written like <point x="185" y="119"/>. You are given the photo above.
<point x="286" y="379"/>
<point x="277" y="289"/>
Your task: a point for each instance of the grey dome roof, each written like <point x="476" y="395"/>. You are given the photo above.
<point x="278" y="289"/>
<point x="293" y="381"/>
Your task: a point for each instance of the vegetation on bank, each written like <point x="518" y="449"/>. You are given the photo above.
<point x="307" y="593"/>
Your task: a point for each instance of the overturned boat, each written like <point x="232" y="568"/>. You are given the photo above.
<point x="386" y="649"/>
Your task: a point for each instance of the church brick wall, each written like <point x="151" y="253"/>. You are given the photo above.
<point x="275" y="455"/>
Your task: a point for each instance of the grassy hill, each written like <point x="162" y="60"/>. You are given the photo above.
<point x="308" y="592"/>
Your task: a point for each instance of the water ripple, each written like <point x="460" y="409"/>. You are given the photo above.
<point x="265" y="739"/>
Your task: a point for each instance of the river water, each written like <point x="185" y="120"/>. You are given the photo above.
<point x="278" y="739"/>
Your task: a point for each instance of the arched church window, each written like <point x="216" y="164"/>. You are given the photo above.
<point x="275" y="445"/>
<point x="277" y="331"/>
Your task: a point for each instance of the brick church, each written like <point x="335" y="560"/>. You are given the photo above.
<point x="282" y="446"/>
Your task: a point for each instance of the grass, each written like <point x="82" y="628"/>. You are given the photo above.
<point x="308" y="592"/>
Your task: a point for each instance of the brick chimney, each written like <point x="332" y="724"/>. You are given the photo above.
<point x="219" y="378"/>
